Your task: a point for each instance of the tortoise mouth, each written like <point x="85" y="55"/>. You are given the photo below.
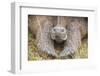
<point x="59" y="46"/>
<point x="59" y="40"/>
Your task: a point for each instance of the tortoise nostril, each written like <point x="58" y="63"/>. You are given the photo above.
<point x="54" y="29"/>
<point x="62" y="30"/>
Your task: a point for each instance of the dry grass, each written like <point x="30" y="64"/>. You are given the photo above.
<point x="83" y="51"/>
<point x="34" y="54"/>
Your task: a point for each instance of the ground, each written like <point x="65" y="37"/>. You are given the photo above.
<point x="34" y="54"/>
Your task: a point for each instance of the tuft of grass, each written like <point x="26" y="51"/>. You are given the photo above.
<point x="83" y="51"/>
<point x="32" y="48"/>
